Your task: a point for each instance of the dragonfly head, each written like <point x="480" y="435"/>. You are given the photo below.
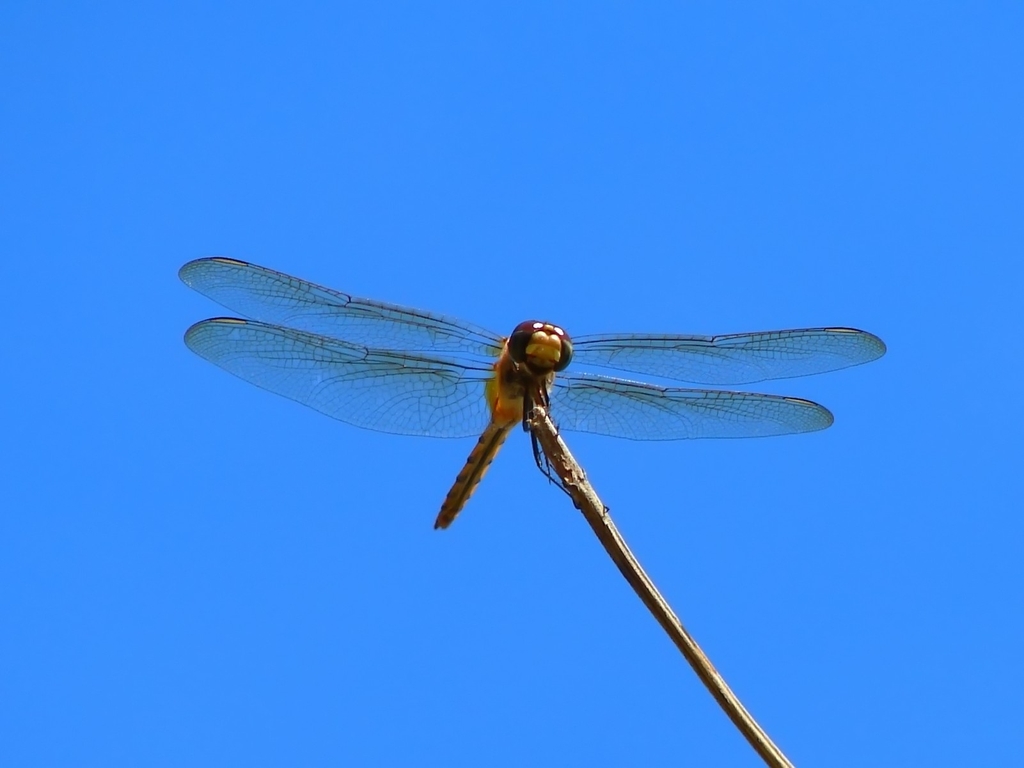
<point x="541" y="347"/>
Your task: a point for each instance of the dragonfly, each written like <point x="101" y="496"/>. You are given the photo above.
<point x="406" y="371"/>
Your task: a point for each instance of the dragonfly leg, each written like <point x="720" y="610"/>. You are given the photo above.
<point x="544" y="465"/>
<point x="539" y="457"/>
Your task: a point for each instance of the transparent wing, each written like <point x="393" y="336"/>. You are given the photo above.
<point x="380" y="390"/>
<point x="741" y="358"/>
<point x="273" y="297"/>
<point x="620" y="408"/>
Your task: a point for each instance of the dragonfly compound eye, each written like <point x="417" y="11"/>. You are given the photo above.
<point x="566" y="357"/>
<point x="540" y="346"/>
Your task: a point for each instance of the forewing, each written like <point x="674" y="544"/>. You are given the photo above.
<point x="741" y="358"/>
<point x="374" y="389"/>
<point x="279" y="299"/>
<point x="637" y="411"/>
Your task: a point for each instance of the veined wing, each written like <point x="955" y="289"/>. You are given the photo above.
<point x="637" y="411"/>
<point x="375" y="389"/>
<point x="740" y="358"/>
<point x="279" y="299"/>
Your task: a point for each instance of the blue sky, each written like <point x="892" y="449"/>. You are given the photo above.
<point x="196" y="572"/>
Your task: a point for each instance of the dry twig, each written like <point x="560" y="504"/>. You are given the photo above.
<point x="575" y="482"/>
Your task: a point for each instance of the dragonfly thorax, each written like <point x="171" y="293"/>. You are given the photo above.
<point x="540" y="347"/>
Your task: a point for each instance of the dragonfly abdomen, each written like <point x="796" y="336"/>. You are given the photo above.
<point x="472" y="473"/>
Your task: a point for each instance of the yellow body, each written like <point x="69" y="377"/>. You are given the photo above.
<point x="504" y="392"/>
<point x="506" y="403"/>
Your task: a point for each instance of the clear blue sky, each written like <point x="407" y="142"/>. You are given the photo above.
<point x="195" y="572"/>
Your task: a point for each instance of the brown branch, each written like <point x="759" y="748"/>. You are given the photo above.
<point x="585" y="498"/>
